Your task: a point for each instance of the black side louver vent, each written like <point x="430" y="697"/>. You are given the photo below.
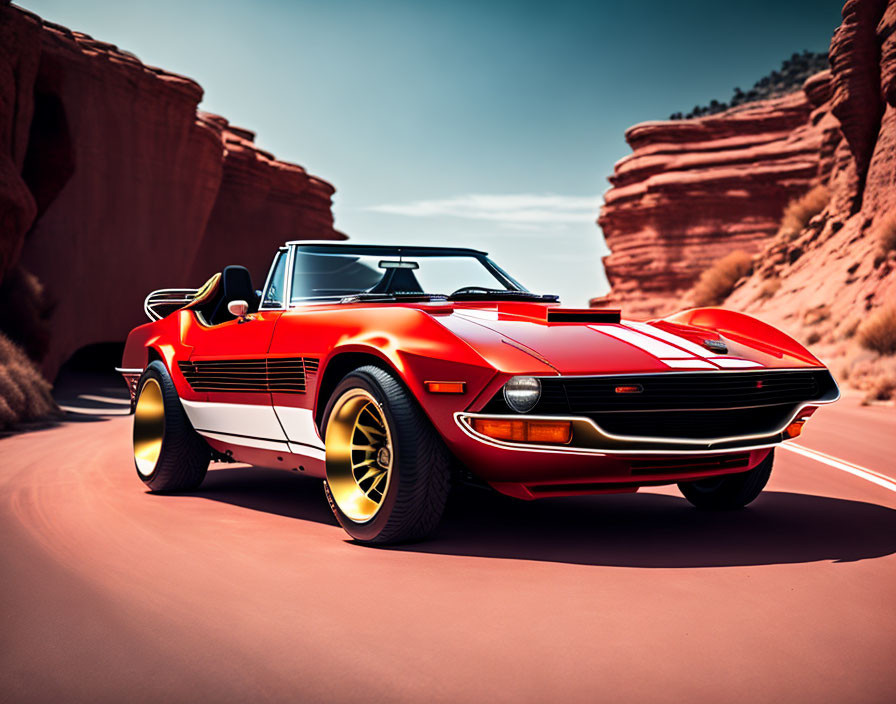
<point x="277" y="374"/>
<point x="583" y="316"/>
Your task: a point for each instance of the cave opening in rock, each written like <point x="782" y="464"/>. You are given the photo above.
<point x="88" y="383"/>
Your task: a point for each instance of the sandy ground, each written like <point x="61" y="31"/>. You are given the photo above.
<point x="248" y="590"/>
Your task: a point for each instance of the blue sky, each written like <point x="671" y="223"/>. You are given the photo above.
<point x="484" y="124"/>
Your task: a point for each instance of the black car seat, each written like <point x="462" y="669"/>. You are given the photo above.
<point x="397" y="280"/>
<point x="236" y="285"/>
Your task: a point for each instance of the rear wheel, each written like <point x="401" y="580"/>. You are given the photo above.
<point x="168" y="453"/>
<point x="387" y="468"/>
<point x="729" y="492"/>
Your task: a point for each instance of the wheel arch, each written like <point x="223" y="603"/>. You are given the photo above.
<point x="340" y="363"/>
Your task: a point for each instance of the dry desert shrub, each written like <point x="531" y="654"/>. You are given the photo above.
<point x="25" y="312"/>
<point x="886" y="240"/>
<point x="24" y="393"/>
<point x="883" y="389"/>
<point x="878" y="332"/>
<point x="717" y="282"/>
<point x="869" y="372"/>
<point x="800" y="211"/>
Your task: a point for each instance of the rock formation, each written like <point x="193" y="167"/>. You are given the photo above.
<point x="694" y="190"/>
<point x="836" y="273"/>
<point x="113" y="184"/>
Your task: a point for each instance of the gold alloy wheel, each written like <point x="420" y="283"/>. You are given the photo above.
<point x="149" y="427"/>
<point x="359" y="455"/>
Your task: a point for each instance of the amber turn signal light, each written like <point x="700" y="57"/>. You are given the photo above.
<point x="795" y="428"/>
<point x="537" y="431"/>
<point x="445" y="387"/>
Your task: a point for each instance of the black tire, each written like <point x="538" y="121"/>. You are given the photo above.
<point x="729" y="492"/>
<point x="180" y="463"/>
<point x="419" y="482"/>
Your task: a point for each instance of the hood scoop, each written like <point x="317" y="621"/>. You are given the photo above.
<point x="583" y="315"/>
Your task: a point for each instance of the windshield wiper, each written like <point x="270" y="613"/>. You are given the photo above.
<point x="477" y="293"/>
<point x="394" y="296"/>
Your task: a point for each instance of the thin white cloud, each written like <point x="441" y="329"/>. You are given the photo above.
<point x="519" y="209"/>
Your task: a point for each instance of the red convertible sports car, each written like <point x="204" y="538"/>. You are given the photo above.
<point x="389" y="372"/>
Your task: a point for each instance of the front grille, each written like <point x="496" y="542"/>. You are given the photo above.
<point x="689" y="405"/>
<point x="702" y="425"/>
<point x="698" y="390"/>
<point x="276" y="374"/>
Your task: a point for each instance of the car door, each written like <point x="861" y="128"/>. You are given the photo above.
<point x="229" y="364"/>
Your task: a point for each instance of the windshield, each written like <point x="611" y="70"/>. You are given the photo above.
<point x="388" y="273"/>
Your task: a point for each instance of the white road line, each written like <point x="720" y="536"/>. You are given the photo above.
<point x="844" y="466"/>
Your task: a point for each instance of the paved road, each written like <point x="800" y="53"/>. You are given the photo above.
<point x="248" y="590"/>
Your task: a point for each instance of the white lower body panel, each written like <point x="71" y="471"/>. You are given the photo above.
<point x="280" y="428"/>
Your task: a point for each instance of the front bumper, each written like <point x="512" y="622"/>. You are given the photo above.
<point x="596" y="461"/>
<point x="589" y="438"/>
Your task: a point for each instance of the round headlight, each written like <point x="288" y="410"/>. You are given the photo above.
<point x="522" y="393"/>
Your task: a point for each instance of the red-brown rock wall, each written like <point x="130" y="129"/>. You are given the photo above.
<point x="19" y="58"/>
<point x="855" y="65"/>
<point x="258" y="191"/>
<point x="681" y="200"/>
<point x="112" y="184"/>
<point x="836" y="266"/>
<point x="693" y="190"/>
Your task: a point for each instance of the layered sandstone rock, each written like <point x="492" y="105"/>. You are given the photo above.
<point x="684" y="198"/>
<point x="693" y="190"/>
<point x="835" y="273"/>
<point x="112" y="184"/>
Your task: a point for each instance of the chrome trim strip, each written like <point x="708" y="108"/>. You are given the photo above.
<point x="290" y="265"/>
<point x="463" y="421"/>
<point x="708" y="373"/>
<point x="180" y="296"/>
<point x="593" y="452"/>
<point x="267" y="281"/>
<point x="123" y="370"/>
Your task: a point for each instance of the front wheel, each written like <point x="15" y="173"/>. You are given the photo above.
<point x="387" y="468"/>
<point x="168" y="453"/>
<point x="729" y="492"/>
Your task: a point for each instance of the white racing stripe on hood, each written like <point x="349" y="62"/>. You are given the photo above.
<point x="689" y="364"/>
<point x="729" y="363"/>
<point x="724" y="362"/>
<point x="685" y="344"/>
<point x="649" y="344"/>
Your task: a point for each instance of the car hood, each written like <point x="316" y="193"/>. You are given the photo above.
<point x="612" y="348"/>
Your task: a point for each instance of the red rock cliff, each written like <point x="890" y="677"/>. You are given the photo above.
<point x="830" y="278"/>
<point x="112" y="184"/>
<point x="694" y="189"/>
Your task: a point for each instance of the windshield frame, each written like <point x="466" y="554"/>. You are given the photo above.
<point x="380" y="250"/>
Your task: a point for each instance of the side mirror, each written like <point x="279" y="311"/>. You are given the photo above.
<point x="238" y="308"/>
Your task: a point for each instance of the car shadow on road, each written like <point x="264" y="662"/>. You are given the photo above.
<point x="623" y="530"/>
<point x="270" y="490"/>
<point x="660" y="531"/>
